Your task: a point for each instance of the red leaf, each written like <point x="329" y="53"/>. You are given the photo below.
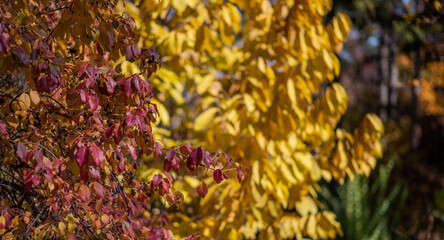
<point x="28" y="175"/>
<point x="239" y="173"/>
<point x="132" y="207"/>
<point x="171" y="154"/>
<point x="133" y="152"/>
<point x="155" y="234"/>
<point x="129" y="52"/>
<point x="57" y="163"/>
<point x="111" y="85"/>
<point x="22" y="55"/>
<point x="158" y="151"/>
<point x="166" y="165"/>
<point x="99" y="189"/>
<point x="131" y="120"/>
<point x="186" y="149"/>
<point x="3" y="128"/>
<point x="21" y="151"/>
<point x="93" y="103"/>
<point x="122" y="166"/>
<point x="84" y="96"/>
<point x="109" y="131"/>
<point x="98" y="155"/>
<point x="136" y="50"/>
<point x="47" y="84"/>
<point x="136" y="82"/>
<point x="128" y="87"/>
<point x="84" y="192"/>
<point x="117" y="133"/>
<point x="169" y="176"/>
<point x="176" y="163"/>
<point x="166" y="185"/>
<point x="218" y="176"/>
<point x="84" y="173"/>
<point x="3" y="44"/>
<point x="82" y="155"/>
<point x="35" y="180"/>
<point x="202" y="190"/>
<point x="82" y="70"/>
<point x="49" y="174"/>
<point x="156" y="179"/>
<point x="94" y="173"/>
<point x="194" y="159"/>
<point x="207" y="158"/>
<point x="29" y="156"/>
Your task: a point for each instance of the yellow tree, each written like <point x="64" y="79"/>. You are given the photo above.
<point x="257" y="79"/>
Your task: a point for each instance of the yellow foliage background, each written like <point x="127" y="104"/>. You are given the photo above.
<point x="256" y="79"/>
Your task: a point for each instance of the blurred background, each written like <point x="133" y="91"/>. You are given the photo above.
<point x="393" y="65"/>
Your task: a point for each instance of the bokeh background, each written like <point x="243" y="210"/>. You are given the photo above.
<point x="393" y="65"/>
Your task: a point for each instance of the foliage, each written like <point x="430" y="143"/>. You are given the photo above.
<point x="402" y="39"/>
<point x="73" y="128"/>
<point x="257" y="78"/>
<point x="364" y="207"/>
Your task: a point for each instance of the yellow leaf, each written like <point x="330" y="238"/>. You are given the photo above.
<point x="311" y="226"/>
<point x="259" y="197"/>
<point x="262" y="65"/>
<point x="235" y="17"/>
<point x="62" y="227"/>
<point x="179" y="5"/>
<point x="376" y="122"/>
<point x="72" y="225"/>
<point x="24" y="101"/>
<point x="35" y="99"/>
<point x="306" y="205"/>
<point x="226" y="33"/>
<point x="327" y="59"/>
<point x="287" y="173"/>
<point x="204" y="119"/>
<point x="346" y="24"/>
<point x="291" y="91"/>
<point x="249" y="102"/>
<point x="337" y="29"/>
<point x="226" y="15"/>
<point x="203" y="83"/>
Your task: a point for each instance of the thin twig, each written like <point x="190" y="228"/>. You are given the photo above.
<point x="33" y="222"/>
<point x="124" y="194"/>
<point x="37" y="144"/>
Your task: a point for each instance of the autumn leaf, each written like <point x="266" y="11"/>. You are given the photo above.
<point x="99" y="189"/>
<point x="21" y="150"/>
<point x="84" y="192"/>
<point x="217" y="176"/>
<point x="97" y="154"/>
<point x="208" y="160"/>
<point x="156" y="179"/>
<point x="239" y="173"/>
<point x="202" y="190"/>
<point x="157" y="151"/>
<point x="194" y="159"/>
<point x="82" y="155"/>
<point x="22" y="55"/>
<point x="3" y="44"/>
<point x="3" y="128"/>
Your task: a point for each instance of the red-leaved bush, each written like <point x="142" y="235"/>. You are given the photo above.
<point x="73" y="127"/>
